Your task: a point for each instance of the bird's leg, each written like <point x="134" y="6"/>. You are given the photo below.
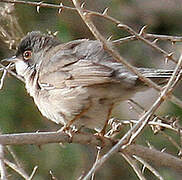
<point x="77" y="117"/>
<point x="103" y="131"/>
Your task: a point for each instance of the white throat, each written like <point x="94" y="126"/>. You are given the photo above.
<point x="21" y="68"/>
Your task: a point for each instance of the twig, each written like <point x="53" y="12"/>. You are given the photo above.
<point x="12" y="73"/>
<point x="19" y="170"/>
<point x="131" y="31"/>
<point x="11" y="32"/>
<point x="153" y="123"/>
<point x="47" y="5"/>
<point x="18" y="163"/>
<point x="96" y="159"/>
<point x="134" y="165"/>
<point x="2" y="164"/>
<point x="154" y="156"/>
<point x="172" y="39"/>
<point x="49" y="137"/>
<point x="52" y="176"/>
<point x="2" y="78"/>
<point x="164" y="37"/>
<point x="171" y="140"/>
<point x="4" y="75"/>
<point x="154" y="171"/>
<point x="150" y="155"/>
<point x="33" y="173"/>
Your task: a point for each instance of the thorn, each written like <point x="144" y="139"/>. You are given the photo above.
<point x="82" y="175"/>
<point x="166" y="60"/>
<point x="173" y="43"/>
<point x="120" y="25"/>
<point x="82" y="5"/>
<point x="52" y="175"/>
<point x="170" y="55"/>
<point x="109" y="38"/>
<point x="131" y="125"/>
<point x="130" y="108"/>
<point x="105" y="11"/>
<point x="142" y="31"/>
<point x="38" y="7"/>
<point x="85" y="13"/>
<point x="61" y="8"/>
<point x="155" y="119"/>
<point x="111" y="120"/>
<point x="149" y="145"/>
<point x="55" y="33"/>
<point x="155" y="41"/>
<point x="143" y="168"/>
<point x="33" y="172"/>
<point x="179" y="153"/>
<point x="3" y="34"/>
<point x="162" y="150"/>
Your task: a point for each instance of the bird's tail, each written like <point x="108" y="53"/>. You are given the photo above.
<point x="159" y="76"/>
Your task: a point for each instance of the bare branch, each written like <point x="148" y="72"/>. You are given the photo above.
<point x="154" y="156"/>
<point x="149" y="155"/>
<point x="171" y="140"/>
<point x="38" y="4"/>
<point x="17" y="169"/>
<point x="149" y="167"/>
<point x="2" y="164"/>
<point x="12" y="73"/>
<point x="33" y="173"/>
<point x="17" y="161"/>
<point x="49" y="137"/>
<point x="134" y="165"/>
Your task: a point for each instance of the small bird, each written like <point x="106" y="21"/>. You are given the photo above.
<point x="77" y="83"/>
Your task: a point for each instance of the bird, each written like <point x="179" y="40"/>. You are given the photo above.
<point x="77" y="83"/>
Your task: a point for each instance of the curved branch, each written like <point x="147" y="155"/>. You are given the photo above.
<point x="154" y="156"/>
<point x="40" y="138"/>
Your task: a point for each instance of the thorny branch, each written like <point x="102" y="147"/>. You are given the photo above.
<point x="41" y="138"/>
<point x="124" y="144"/>
<point x="2" y="164"/>
<point x="146" y="165"/>
<point x="134" y="165"/>
<point x="131" y="135"/>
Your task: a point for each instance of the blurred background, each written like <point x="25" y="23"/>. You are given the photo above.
<point x="19" y="114"/>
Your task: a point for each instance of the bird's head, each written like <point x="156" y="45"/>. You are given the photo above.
<point x="31" y="51"/>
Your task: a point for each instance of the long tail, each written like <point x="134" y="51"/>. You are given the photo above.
<point x="159" y="76"/>
<point x="156" y="73"/>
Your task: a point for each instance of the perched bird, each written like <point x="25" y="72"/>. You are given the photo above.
<point x="76" y="83"/>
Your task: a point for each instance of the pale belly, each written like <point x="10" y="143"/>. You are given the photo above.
<point x="93" y="103"/>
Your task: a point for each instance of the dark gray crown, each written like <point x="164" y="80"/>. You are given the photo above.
<point x="36" y="41"/>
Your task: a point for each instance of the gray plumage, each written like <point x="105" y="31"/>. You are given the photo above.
<point x="77" y="81"/>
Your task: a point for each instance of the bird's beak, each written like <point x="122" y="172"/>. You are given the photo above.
<point x="12" y="59"/>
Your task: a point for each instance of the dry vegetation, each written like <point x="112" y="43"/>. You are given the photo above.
<point x="125" y="146"/>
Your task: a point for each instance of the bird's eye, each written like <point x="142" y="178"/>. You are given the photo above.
<point x="27" y="55"/>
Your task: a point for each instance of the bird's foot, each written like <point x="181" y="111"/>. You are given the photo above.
<point x="68" y="130"/>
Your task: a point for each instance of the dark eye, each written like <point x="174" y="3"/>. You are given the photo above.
<point x="27" y="54"/>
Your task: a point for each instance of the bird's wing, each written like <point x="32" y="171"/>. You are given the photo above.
<point x="75" y="64"/>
